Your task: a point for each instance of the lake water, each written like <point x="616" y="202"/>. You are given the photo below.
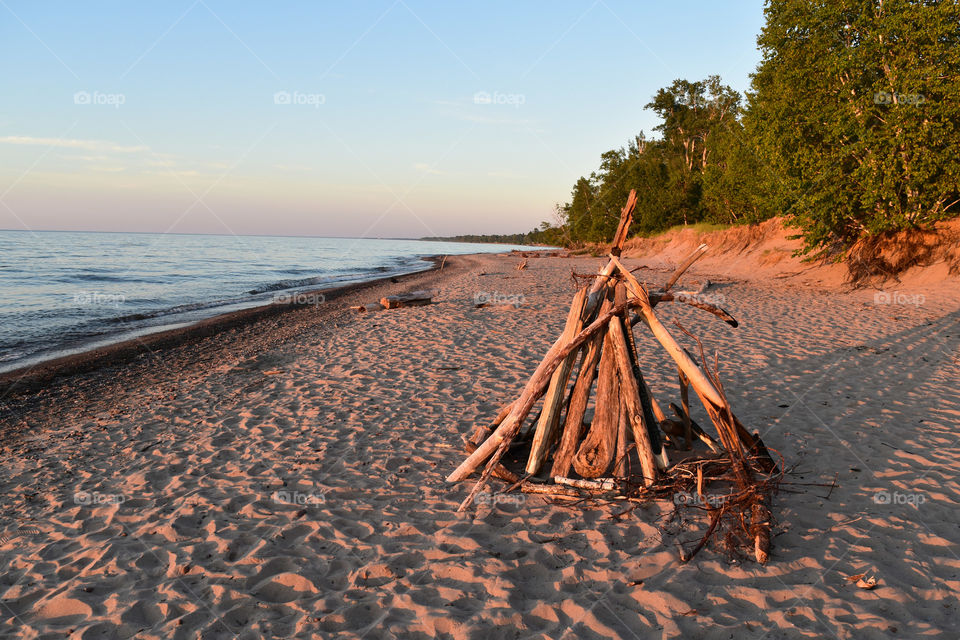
<point x="63" y="292"/>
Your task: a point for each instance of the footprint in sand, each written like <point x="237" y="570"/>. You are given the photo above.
<point x="64" y="611"/>
<point x="284" y="587"/>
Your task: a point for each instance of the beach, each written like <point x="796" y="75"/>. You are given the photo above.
<point x="283" y="475"/>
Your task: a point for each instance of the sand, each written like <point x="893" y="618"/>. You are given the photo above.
<point x="285" y="478"/>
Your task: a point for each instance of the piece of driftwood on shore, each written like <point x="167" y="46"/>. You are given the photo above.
<point x="412" y="299"/>
<point x="619" y="452"/>
<point x="370" y="306"/>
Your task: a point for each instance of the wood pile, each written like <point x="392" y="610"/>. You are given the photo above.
<point x="622" y="452"/>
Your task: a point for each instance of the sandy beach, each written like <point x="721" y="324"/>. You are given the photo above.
<point x="284" y="477"/>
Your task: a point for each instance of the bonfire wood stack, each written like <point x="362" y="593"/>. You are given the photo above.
<point x="622" y="451"/>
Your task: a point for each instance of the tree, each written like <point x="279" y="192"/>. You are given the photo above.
<point x="856" y="112"/>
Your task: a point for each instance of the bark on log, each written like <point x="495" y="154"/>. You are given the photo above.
<point x="693" y="301"/>
<point x="597" y="484"/>
<point x="551" y="490"/>
<point x="499" y="471"/>
<point x="412" y="299"/>
<point x="651" y="422"/>
<point x="649" y="419"/>
<point x="631" y="395"/>
<point x="697" y="378"/>
<point x="598" y="289"/>
<point x="626" y="217"/>
<point x="573" y="428"/>
<point x="760" y="530"/>
<point x="693" y="257"/>
<point x="370" y="306"/>
<point x="621" y="461"/>
<point x="595" y="454"/>
<point x="483" y="431"/>
<point x="698" y="431"/>
<point x="546" y="430"/>
<point x="685" y="416"/>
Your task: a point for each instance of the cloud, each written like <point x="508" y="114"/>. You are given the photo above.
<point x="67" y="143"/>
<point x="160" y="163"/>
<point x="504" y="174"/>
<point x="427" y="168"/>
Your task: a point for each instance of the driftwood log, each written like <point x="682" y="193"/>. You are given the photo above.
<point x="553" y="400"/>
<point x="573" y="428"/>
<point x="599" y="447"/>
<point x="412" y="299"/>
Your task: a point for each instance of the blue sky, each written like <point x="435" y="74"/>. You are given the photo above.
<point x="334" y="118"/>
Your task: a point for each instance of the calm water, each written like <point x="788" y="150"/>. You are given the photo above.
<point x="62" y="292"/>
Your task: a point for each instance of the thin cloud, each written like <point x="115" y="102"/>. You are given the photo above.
<point x="427" y="168"/>
<point x="67" y="143"/>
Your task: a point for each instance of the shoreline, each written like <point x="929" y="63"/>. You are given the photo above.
<point x="285" y="477"/>
<point x="32" y="377"/>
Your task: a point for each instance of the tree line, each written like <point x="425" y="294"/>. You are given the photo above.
<point x="850" y="128"/>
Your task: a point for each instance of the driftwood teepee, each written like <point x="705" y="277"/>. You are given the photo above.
<point x="622" y="452"/>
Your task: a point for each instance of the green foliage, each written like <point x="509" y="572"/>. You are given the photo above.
<point x="851" y="128"/>
<point x="546" y="234"/>
<point x="856" y="109"/>
<point x="700" y="169"/>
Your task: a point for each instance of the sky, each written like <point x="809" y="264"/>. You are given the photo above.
<point x="389" y="118"/>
